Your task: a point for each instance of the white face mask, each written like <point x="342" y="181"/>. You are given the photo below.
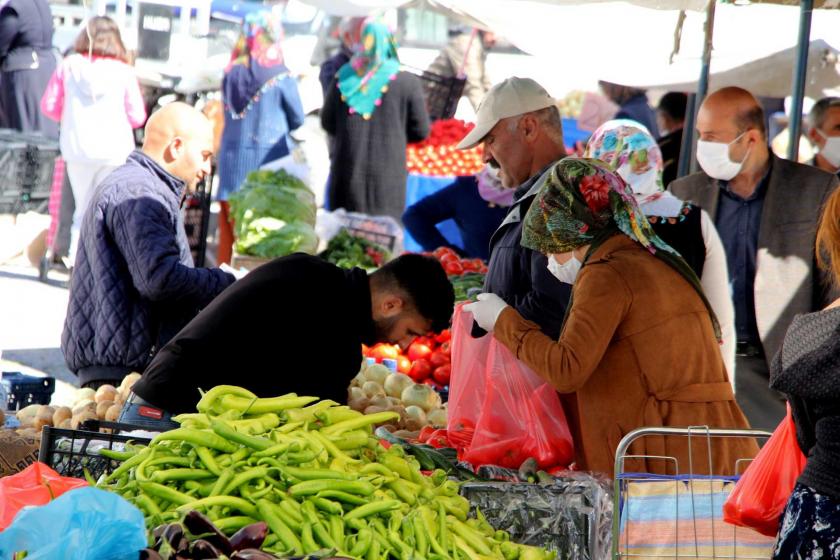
<point x="713" y="157"/>
<point x="566" y="272"/>
<point x="831" y="150"/>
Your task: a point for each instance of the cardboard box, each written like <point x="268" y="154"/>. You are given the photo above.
<point x="17" y="451"/>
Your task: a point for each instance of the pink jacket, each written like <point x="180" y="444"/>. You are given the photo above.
<point x="98" y="102"/>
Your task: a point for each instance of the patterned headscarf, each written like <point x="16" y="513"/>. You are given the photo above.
<point x="584" y="203"/>
<point x="632" y="152"/>
<point x="365" y="78"/>
<point x="255" y="62"/>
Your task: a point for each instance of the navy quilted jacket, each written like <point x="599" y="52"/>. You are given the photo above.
<point x="134" y="285"/>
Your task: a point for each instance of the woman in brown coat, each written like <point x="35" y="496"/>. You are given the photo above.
<point x="639" y="346"/>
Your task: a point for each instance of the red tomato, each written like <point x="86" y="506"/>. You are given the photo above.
<point x="442" y="374"/>
<point x="427" y="340"/>
<point x="384" y="352"/>
<point x="453" y="268"/>
<point x="420" y="371"/>
<point x="365" y="351"/>
<point x="440" y="251"/>
<point x="431" y="383"/>
<point x="444" y="336"/>
<point x="438" y="359"/>
<point x="446" y="349"/>
<point x="449" y="257"/>
<point x="403" y="365"/>
<point x="418" y="352"/>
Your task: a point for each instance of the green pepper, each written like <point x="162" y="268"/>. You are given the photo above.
<point x="230" y="525"/>
<point x="130" y="463"/>
<point x="261" y="406"/>
<point x="373" y="508"/>
<point x="361" y="422"/>
<point x="180" y="474"/>
<point x="365" y="538"/>
<point x="316" y="474"/>
<point x="221" y="429"/>
<point x="309" y="487"/>
<point x="327" y="506"/>
<point x="243" y="477"/>
<point x="286" y="536"/>
<point x="231" y="502"/>
<point x="343" y="497"/>
<point x="306" y="540"/>
<point x="197" y="438"/>
<point x="164" y="493"/>
<point x="209" y="399"/>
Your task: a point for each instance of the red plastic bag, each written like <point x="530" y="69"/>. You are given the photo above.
<point x="761" y="494"/>
<point x="36" y="485"/>
<point x="500" y="412"/>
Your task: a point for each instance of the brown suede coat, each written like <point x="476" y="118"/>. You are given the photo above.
<point x="638" y="349"/>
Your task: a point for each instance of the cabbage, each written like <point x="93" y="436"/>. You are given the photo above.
<point x="270" y="238"/>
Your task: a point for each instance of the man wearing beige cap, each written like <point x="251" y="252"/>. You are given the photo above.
<point x="522" y="134"/>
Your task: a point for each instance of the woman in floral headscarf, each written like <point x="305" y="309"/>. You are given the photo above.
<point x="372" y="111"/>
<point x="639" y="343"/>
<point x="632" y="152"/>
<point x="261" y="107"/>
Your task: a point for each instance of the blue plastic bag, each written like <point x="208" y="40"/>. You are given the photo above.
<point x="82" y="524"/>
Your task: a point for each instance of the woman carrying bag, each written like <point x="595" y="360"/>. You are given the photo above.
<point x="639" y="345"/>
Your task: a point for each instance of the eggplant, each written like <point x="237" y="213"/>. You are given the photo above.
<point x="173" y="534"/>
<point x="252" y="554"/>
<point x="199" y="525"/>
<point x="150" y="554"/>
<point x="251" y="536"/>
<point x="203" y="550"/>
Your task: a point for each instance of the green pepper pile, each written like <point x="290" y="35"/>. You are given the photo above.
<point x="467" y="285"/>
<point x="314" y="473"/>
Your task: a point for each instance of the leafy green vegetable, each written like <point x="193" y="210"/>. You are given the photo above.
<point x="348" y="251"/>
<point x="274" y="215"/>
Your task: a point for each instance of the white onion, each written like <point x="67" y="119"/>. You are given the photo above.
<point x="437" y="418"/>
<point x="377" y="373"/>
<point x="420" y="395"/>
<point x="396" y="383"/>
<point x="372" y="389"/>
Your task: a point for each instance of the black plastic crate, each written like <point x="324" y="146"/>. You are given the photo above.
<point x="27" y="166"/>
<point x="23" y="390"/>
<point x="70" y="452"/>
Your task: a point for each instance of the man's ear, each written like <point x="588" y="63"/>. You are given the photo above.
<point x="530" y="128"/>
<point x="391" y="305"/>
<point x="173" y="150"/>
<point x="814" y="136"/>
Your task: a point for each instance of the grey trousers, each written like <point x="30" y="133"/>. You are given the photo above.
<point x="763" y="406"/>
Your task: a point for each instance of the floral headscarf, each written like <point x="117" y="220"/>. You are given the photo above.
<point x="632" y="152"/>
<point x="365" y="78"/>
<point x="584" y="203"/>
<point x="255" y="62"/>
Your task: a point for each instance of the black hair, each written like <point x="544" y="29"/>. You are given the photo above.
<point x="424" y="282"/>
<point x="674" y="104"/>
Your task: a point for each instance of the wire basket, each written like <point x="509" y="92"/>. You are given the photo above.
<point x="442" y="94"/>
<point x="70" y="452"/>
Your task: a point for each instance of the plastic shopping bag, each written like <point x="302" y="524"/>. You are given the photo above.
<point x="84" y="524"/>
<point x="501" y="412"/>
<point x="759" y="498"/>
<point x="36" y="485"/>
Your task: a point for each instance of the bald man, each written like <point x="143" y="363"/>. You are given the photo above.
<point x="134" y="285"/>
<point x="766" y="211"/>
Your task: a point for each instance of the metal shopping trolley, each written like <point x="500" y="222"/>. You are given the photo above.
<point x="680" y="516"/>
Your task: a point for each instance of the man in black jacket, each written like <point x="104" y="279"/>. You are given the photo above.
<point x="134" y="285"/>
<point x="295" y="324"/>
<point x="522" y="133"/>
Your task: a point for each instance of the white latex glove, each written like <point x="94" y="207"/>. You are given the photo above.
<point x="486" y="310"/>
<point x="238" y="274"/>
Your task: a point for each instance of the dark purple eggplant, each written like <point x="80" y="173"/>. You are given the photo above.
<point x="149" y="554"/>
<point x="173" y="534"/>
<point x="203" y="550"/>
<point x="252" y="554"/>
<point x="250" y="536"/>
<point x="199" y="525"/>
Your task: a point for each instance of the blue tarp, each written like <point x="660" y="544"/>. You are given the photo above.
<point x="418" y="187"/>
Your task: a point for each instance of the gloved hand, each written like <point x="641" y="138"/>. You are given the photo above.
<point x="486" y="310"/>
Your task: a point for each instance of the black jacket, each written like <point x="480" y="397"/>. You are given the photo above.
<point x="519" y="275"/>
<point x="134" y="285"/>
<point x="295" y="324"/>
<point x="367" y="168"/>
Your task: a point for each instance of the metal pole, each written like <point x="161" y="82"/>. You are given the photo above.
<point x="806" y="9"/>
<point x="687" y="149"/>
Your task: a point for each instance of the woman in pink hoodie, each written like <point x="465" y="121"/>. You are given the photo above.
<point x="95" y="96"/>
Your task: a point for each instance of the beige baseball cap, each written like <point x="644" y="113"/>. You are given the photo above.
<point x="514" y="96"/>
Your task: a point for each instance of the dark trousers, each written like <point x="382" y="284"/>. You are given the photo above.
<point x="763" y="406"/>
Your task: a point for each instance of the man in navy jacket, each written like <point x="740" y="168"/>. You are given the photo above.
<point x="134" y="285"/>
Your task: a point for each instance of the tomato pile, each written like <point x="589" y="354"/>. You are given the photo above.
<point x="455" y="265"/>
<point x="427" y="360"/>
<point x="437" y="156"/>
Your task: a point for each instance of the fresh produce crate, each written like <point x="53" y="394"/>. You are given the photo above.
<point x="247" y="262"/>
<point x="572" y="516"/>
<point x="27" y="164"/>
<point x="442" y="94"/>
<point x="70" y="452"/>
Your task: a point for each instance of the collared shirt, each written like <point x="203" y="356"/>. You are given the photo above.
<point x="738" y="221"/>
